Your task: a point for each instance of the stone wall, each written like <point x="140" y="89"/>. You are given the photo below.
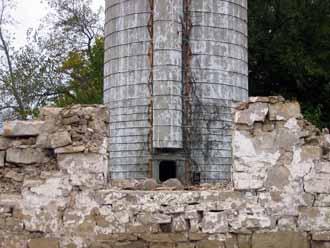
<point x="54" y="191"/>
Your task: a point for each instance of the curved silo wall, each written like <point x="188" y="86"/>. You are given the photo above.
<point x="219" y="76"/>
<point x="173" y="69"/>
<point x="167" y="74"/>
<point x="127" y="72"/>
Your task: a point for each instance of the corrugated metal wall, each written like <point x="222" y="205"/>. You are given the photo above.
<point x="219" y="71"/>
<point x="167" y="81"/>
<point x="126" y="85"/>
<point x="145" y="45"/>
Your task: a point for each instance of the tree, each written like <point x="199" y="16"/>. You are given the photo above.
<point x="289" y="53"/>
<point x="77" y="35"/>
<point x="63" y="66"/>
<point x="85" y="85"/>
<point x="26" y="76"/>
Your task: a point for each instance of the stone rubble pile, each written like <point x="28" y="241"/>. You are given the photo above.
<point x="55" y="192"/>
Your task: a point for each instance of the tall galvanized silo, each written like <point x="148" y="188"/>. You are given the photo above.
<point x="173" y="69"/>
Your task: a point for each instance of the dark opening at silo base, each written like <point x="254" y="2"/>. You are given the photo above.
<point x="167" y="170"/>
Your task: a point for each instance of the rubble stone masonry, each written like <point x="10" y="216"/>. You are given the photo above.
<point x="54" y="190"/>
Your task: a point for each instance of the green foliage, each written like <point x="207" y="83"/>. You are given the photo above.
<point x="289" y="53"/>
<point x="85" y="70"/>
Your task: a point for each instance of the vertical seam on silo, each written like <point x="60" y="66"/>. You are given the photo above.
<point x="187" y="103"/>
<point x="150" y="86"/>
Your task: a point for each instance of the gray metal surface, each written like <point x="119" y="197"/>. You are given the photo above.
<point x="144" y="120"/>
<point x="126" y="85"/>
<point x="219" y="71"/>
<point x="167" y="71"/>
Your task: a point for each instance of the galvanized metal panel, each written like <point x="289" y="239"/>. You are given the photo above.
<point x="125" y="88"/>
<point x="220" y="74"/>
<point x="219" y="77"/>
<point x="167" y="92"/>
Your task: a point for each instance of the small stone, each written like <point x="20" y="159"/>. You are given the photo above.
<point x="255" y="99"/>
<point x="244" y="241"/>
<point x="321" y="236"/>
<point x="24" y="156"/>
<point x="317" y="183"/>
<point x="22" y="128"/>
<point x="49" y="113"/>
<point x="185" y="245"/>
<point x="256" y="112"/>
<point x="283" y="111"/>
<point x="70" y="149"/>
<point x="2" y="158"/>
<point x="210" y="244"/>
<point x="44" y="243"/>
<point x="154" y="218"/>
<point x="280" y="239"/>
<point x="71" y="120"/>
<point x="173" y="183"/>
<point x="4" y="143"/>
<point x="60" y="139"/>
<point x="215" y="222"/>
<point x="129" y="184"/>
<point x="320" y="244"/>
<point x="314" y="219"/>
<point x="179" y="224"/>
<point x="15" y="176"/>
<point x="148" y="184"/>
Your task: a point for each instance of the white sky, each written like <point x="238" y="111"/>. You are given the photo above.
<point x="28" y="14"/>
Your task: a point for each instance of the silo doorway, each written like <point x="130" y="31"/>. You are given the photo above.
<point x="167" y="170"/>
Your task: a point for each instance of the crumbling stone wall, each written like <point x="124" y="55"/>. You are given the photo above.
<point x="54" y="189"/>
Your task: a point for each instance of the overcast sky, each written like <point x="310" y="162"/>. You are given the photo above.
<point x="28" y="14"/>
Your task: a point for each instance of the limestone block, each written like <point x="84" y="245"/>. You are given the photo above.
<point x="13" y="241"/>
<point x="326" y="140"/>
<point x="254" y="217"/>
<point x="210" y="244"/>
<point x="70" y="149"/>
<point x="14" y="175"/>
<point x="280" y="239"/>
<point x="44" y="243"/>
<point x="4" y="143"/>
<point x="10" y="200"/>
<point x="287" y="224"/>
<point x="255" y="113"/>
<point x="244" y="241"/>
<point x="252" y="159"/>
<point x="282" y="111"/>
<point x="320" y="244"/>
<point x="314" y="219"/>
<point x="173" y="183"/>
<point x="317" y="182"/>
<point x="22" y="128"/>
<point x="215" y="222"/>
<point x="86" y="170"/>
<point x="60" y="139"/>
<point x="25" y="156"/>
<point x="42" y="201"/>
<point x="154" y="218"/>
<point x="286" y="202"/>
<point x="304" y="159"/>
<point x="179" y="224"/>
<point x="248" y="181"/>
<point x="148" y="184"/>
<point x="321" y="236"/>
<point x="50" y="113"/>
<point x="2" y="158"/>
<point x="322" y="200"/>
<point x="323" y="167"/>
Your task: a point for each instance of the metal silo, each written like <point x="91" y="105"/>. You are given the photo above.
<point x="173" y="69"/>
